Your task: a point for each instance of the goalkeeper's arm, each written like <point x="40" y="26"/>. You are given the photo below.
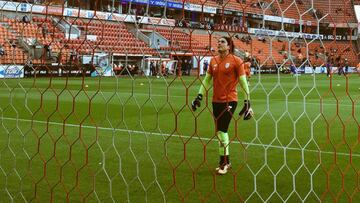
<point x="244" y="87"/>
<point x="246" y="110"/>
<point x="204" y="86"/>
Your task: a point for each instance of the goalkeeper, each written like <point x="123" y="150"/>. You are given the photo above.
<point x="225" y="71"/>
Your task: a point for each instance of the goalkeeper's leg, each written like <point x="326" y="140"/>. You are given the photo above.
<point x="223" y="113"/>
<point x="223" y="151"/>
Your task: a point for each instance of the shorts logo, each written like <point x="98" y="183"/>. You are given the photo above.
<point x="229" y="108"/>
<point x="227" y="65"/>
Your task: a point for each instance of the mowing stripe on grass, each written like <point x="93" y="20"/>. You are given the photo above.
<point x="184" y="136"/>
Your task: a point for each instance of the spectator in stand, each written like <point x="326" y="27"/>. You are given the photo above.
<point x="248" y="39"/>
<point x="13" y="44"/>
<point x="44" y="30"/>
<point x="25" y="19"/>
<point x="58" y="57"/>
<point x="142" y="11"/>
<point x="74" y="57"/>
<point x="109" y="8"/>
<point x="254" y="5"/>
<point x="47" y="49"/>
<point x="337" y="10"/>
<point x="283" y="46"/>
<point x="262" y="38"/>
<point x="2" y="50"/>
<point x="247" y="55"/>
<point x="300" y="57"/>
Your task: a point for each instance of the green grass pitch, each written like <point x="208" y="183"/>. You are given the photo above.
<point x="135" y="139"/>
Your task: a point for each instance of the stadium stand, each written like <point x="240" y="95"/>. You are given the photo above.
<point x="110" y="37"/>
<point x="181" y="41"/>
<point x="41" y="31"/>
<point x="120" y="38"/>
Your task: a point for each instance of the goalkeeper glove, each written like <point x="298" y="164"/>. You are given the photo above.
<point x="196" y="102"/>
<point x="246" y="110"/>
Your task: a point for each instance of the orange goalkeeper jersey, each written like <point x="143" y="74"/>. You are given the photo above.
<point x="225" y="73"/>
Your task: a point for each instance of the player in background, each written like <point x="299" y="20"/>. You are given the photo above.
<point x="293" y="70"/>
<point x="346" y="66"/>
<point x="328" y="68"/>
<point x="247" y="67"/>
<point x="225" y="72"/>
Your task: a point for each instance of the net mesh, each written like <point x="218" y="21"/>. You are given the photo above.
<point x="96" y="101"/>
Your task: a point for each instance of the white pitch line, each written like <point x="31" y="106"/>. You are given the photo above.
<point x="183" y="136"/>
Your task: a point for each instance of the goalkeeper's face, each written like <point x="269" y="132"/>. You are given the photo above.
<point x="223" y="45"/>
